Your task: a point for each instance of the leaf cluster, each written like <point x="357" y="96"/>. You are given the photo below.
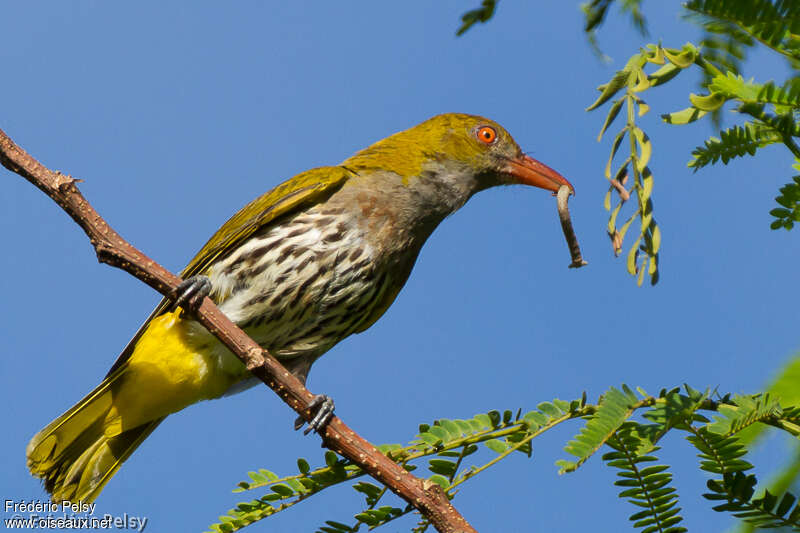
<point x="772" y="23"/>
<point x="456" y="450"/>
<point x="627" y="85"/>
<point x="450" y="447"/>
<point x="647" y="487"/>
<point x="789" y="211"/>
<point x="771" y="111"/>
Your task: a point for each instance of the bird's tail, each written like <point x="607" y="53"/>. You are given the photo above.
<point x="75" y="455"/>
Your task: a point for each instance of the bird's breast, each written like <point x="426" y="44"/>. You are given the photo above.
<point x="300" y="287"/>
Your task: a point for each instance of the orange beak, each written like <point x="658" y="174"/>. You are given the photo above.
<point x="528" y="171"/>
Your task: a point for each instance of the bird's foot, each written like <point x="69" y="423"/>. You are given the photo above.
<point x="189" y="294"/>
<point x="322" y="408"/>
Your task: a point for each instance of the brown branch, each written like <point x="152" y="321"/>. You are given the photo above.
<point x="113" y="250"/>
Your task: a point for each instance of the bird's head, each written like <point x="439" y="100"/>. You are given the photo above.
<point x="453" y="146"/>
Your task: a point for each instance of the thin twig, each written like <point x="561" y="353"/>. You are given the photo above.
<point x="112" y="249"/>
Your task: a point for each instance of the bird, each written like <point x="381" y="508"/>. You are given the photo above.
<point x="316" y="259"/>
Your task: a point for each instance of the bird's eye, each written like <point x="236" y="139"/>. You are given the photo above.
<point x="486" y="134"/>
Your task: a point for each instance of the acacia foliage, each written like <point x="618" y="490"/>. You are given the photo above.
<point x="769" y="111"/>
<point x="628" y="423"/>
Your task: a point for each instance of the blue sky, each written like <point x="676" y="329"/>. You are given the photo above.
<point x="176" y="114"/>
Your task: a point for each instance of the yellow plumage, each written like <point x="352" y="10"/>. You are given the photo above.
<point x="166" y="366"/>
<point x="168" y="370"/>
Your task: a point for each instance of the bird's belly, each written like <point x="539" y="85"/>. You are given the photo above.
<point x="171" y="367"/>
<point x="301" y="287"/>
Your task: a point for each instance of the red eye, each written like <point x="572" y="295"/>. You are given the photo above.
<point x="486" y="134"/>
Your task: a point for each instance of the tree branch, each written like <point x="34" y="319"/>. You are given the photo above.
<point x="113" y="250"/>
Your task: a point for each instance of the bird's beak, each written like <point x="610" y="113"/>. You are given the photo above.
<point x="528" y="171"/>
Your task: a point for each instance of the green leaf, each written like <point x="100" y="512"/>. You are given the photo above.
<point x="611" y="88"/>
<point x="633" y="254"/>
<point x="789" y="213"/>
<point x="440" y="433"/>
<point x="440" y="480"/>
<point x="664" y="74"/>
<point x="430" y="439"/>
<point x="549" y="409"/>
<point x="685" y="116"/>
<point x="296" y="486"/>
<point x="719" y="454"/>
<point x="258" y="478"/>
<point x="564" y="406"/>
<point x="331" y="459"/>
<point x="339" y="526"/>
<point x="642" y="83"/>
<point x="496" y="445"/>
<point x="481" y="14"/>
<point x="536" y="418"/>
<point x="483" y="420"/>
<point x="645" y="148"/>
<point x="656" y="240"/>
<point x="734" y="142"/>
<point x="303" y="466"/>
<point x="614" y="148"/>
<point x="682" y="58"/>
<point x="615" y="407"/>
<point x="737" y="491"/>
<point x="646" y="192"/>
<point x="748" y="410"/>
<point x="710" y="102"/>
<point x="442" y="466"/>
<point x="649" y="488"/>
<point x="612" y="114"/>
<point x="283" y="490"/>
<point x="367" y="518"/>
<point x="465" y="427"/>
<point x="454" y="432"/>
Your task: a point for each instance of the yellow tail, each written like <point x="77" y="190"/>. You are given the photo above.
<point x="74" y="455"/>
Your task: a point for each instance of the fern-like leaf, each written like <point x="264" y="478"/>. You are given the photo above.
<point x="723" y="43"/>
<point x="734" y="142"/>
<point x="747" y="411"/>
<point x="768" y="511"/>
<point x="789" y="211"/>
<point x="719" y="454"/>
<point x="747" y="91"/>
<point x="285" y="491"/>
<point x="674" y="409"/>
<point x="615" y="408"/>
<point x="646" y="487"/>
<point x="771" y="22"/>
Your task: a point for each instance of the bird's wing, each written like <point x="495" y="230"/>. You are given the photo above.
<point x="302" y="191"/>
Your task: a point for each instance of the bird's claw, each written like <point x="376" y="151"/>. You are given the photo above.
<point x="323" y="405"/>
<point x="189" y="293"/>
